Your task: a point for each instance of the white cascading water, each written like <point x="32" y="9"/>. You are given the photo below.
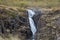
<point x="32" y="25"/>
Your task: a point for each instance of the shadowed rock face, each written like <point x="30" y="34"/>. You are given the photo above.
<point x="15" y="23"/>
<point x="37" y="16"/>
<point x="48" y="26"/>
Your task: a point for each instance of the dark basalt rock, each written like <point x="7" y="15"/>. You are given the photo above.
<point x="48" y="26"/>
<point x="12" y="23"/>
<point x="37" y="16"/>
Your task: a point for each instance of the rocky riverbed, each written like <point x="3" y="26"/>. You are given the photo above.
<point x="14" y="24"/>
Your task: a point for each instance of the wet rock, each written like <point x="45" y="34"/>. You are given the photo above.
<point x="37" y="16"/>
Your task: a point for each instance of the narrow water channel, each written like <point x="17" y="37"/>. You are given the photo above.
<point x="31" y="13"/>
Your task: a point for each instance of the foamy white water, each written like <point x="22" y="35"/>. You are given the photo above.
<point x="32" y="25"/>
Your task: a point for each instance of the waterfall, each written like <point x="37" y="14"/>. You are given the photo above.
<point x="31" y="21"/>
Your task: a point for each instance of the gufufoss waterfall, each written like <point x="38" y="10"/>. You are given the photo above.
<point x="31" y="13"/>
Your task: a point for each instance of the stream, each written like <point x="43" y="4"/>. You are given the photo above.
<point x="31" y="13"/>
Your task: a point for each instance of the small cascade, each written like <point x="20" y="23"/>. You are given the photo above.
<point x="31" y="21"/>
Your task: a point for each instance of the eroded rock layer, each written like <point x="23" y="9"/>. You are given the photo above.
<point x="49" y="25"/>
<point x="14" y="22"/>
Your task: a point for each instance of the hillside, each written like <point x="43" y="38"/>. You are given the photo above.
<point x="14" y="22"/>
<point x="31" y="3"/>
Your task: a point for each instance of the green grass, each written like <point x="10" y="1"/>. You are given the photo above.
<point x="31" y="3"/>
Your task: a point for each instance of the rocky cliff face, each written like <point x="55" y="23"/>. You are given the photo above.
<point x="48" y="25"/>
<point x="14" y="24"/>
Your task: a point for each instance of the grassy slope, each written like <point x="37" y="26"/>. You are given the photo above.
<point x="31" y="3"/>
